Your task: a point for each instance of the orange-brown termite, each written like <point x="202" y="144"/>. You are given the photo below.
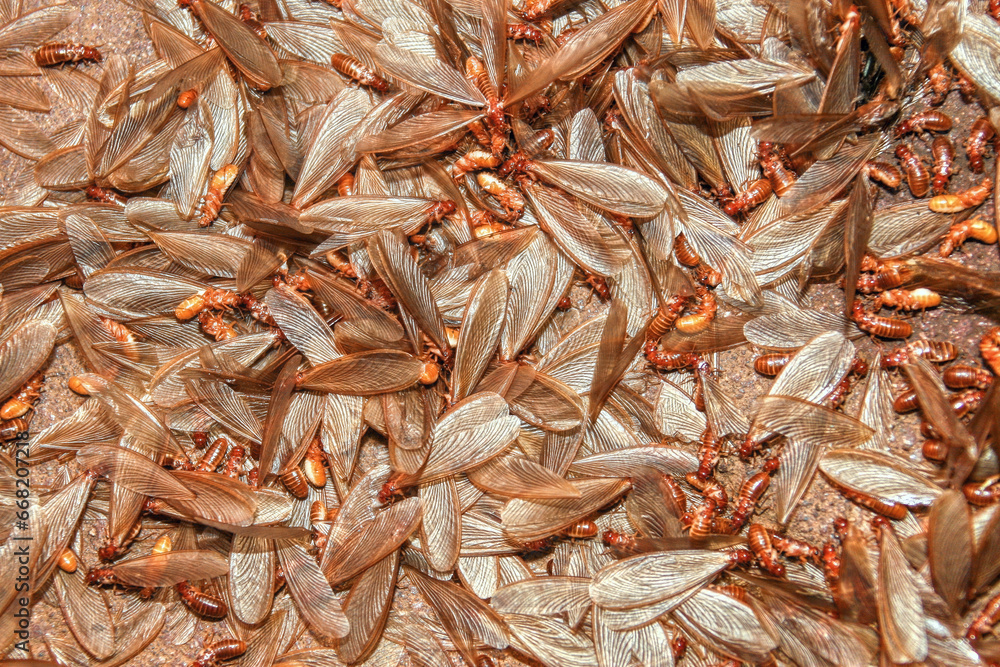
<point x="937" y="351"/>
<point x="215" y="325"/>
<point x="917" y="176"/>
<point x="295" y="481"/>
<point x="906" y="402"/>
<point x="944" y="163"/>
<point x="187" y="97"/>
<point x="934" y="450"/>
<point x="212" y="204"/>
<point x="583" y="528"/>
<point x="24" y="399"/>
<point x="974" y="228"/>
<point x="708" y="454"/>
<point x="68" y="561"/>
<point x="355" y="70"/>
<point x="12" y="429"/>
<point x="201" y="602"/>
<point x="474" y="160"/>
<point x="982" y="493"/>
<point x="985" y="619"/>
<point x="314" y="464"/>
<point x="887" y="508"/>
<point x="618" y="540"/>
<point x="770" y="364"/>
<point x="966" y="401"/>
<point x="211" y="299"/>
<point x="755" y="194"/>
<point x="234" y="462"/>
<point x="772" y="164"/>
<point x="905" y="299"/>
<point x="702" y="520"/>
<point x="216" y="652"/>
<point x="883" y="172"/>
<point x="213" y="456"/>
<point x="702" y="315"/>
<point x="962" y="377"/>
<point x="884" y="327"/>
<point x="959" y="201"/>
<point x="751" y="491"/>
<point x="759" y="541"/>
<point x="106" y="195"/>
<point x="524" y="31"/>
<point x="252" y="20"/>
<point x="989" y="347"/>
<point x="341" y="263"/>
<point x="940" y="80"/>
<point x="475" y="72"/>
<point x="710" y="488"/>
<point x="980" y="135"/>
<point x="922" y="121"/>
<point x="56" y="54"/>
<point x="508" y="196"/>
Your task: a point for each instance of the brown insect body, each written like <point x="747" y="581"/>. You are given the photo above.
<point x="982" y="494"/>
<point x="755" y="194"/>
<point x="212" y="203"/>
<point x="917" y="176"/>
<point x="58" y="53"/>
<point x="934" y="450"/>
<point x="708" y="454"/>
<point x="618" y="540"/>
<point x="12" y="429"/>
<point x="314" y="464"/>
<point x="216" y="652"/>
<point x="940" y="79"/>
<point x="770" y="364"/>
<point x="710" y="488"/>
<point x="201" y="602"/>
<point x="961" y="377"/>
<point x="215" y="325"/>
<point x="252" y="21"/>
<point x="959" y="201"/>
<point x="888" y="508"/>
<point x="751" y="491"/>
<point x="295" y="481"/>
<point x="106" y="195"/>
<point x="944" y="163"/>
<point x="665" y="318"/>
<point x="790" y="547"/>
<point x="186" y="98"/>
<point x="509" y="197"/>
<point x="884" y="327"/>
<point x="68" y="561"/>
<point x="211" y="299"/>
<point x="703" y="312"/>
<point x="906" y="402"/>
<point x="476" y="73"/>
<point x="937" y="351"/>
<point x="883" y="172"/>
<point x="234" y="462"/>
<point x="966" y="401"/>
<point x="904" y="299"/>
<point x="702" y="520"/>
<point x="473" y="161"/>
<point x="759" y="540"/>
<point x="923" y="121"/>
<point x="989" y="347"/>
<point x="355" y="70"/>
<point x="974" y="228"/>
<point x="113" y="549"/>
<point x="525" y="31"/>
<point x="773" y="165"/>
<point x="393" y="487"/>
<point x="985" y="620"/>
<point x="980" y="135"/>
<point x="24" y="399"/>
<point x="584" y="528"/>
<point x="213" y="456"/>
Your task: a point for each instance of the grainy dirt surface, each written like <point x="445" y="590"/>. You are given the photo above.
<point x="119" y="30"/>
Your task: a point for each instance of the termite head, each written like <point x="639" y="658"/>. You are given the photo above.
<point x="771" y="464"/>
<point x="880" y="523"/>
